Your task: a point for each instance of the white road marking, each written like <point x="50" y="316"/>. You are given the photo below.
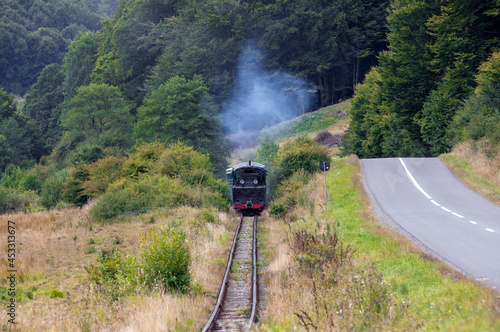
<point x="412" y="179"/>
<point x="415" y="183"/>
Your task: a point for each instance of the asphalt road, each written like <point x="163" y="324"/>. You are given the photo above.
<point x="425" y="201"/>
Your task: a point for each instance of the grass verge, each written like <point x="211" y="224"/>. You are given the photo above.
<point x="466" y="173"/>
<point x="411" y="290"/>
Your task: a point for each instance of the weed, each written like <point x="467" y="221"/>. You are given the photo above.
<point x="56" y="293"/>
<point x="75" y="237"/>
<point x="90" y="250"/>
<point x="91" y="241"/>
<point x="117" y="240"/>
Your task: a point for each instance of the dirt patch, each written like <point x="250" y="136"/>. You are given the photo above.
<point x="328" y="139"/>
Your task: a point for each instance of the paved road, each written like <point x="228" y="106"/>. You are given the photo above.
<point x="422" y="196"/>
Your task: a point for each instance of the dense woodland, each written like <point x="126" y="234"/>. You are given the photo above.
<point x="159" y="71"/>
<point x="438" y="83"/>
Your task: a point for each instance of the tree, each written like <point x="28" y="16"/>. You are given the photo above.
<point x="463" y="36"/>
<point x="101" y="115"/>
<point x="16" y="134"/>
<point x="43" y="106"/>
<point x="330" y="42"/>
<point x="180" y="109"/>
<point x="36" y="33"/>
<point x="79" y="63"/>
<point x="385" y="125"/>
<point x="479" y="118"/>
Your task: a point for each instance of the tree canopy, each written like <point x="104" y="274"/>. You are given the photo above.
<point x="36" y="33"/>
<point x="435" y="50"/>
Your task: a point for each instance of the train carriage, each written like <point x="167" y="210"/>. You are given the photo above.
<point x="248" y="187"/>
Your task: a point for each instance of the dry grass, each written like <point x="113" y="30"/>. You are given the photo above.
<point x="51" y="247"/>
<point x="287" y="290"/>
<point x="483" y="165"/>
<point x="478" y="166"/>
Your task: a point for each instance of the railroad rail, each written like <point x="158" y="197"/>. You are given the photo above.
<point x="236" y="305"/>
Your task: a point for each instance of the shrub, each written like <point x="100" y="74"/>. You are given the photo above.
<point x="165" y="259"/>
<point x="17" y="178"/>
<point x="87" y="153"/>
<point x="51" y="192"/>
<point x="72" y="191"/>
<point x="56" y="293"/>
<point x="143" y="159"/>
<point x="12" y="200"/>
<point x="89" y="250"/>
<point x="207" y="215"/>
<point x="267" y="150"/>
<point x="30" y="183"/>
<point x="145" y="193"/>
<point x="277" y="209"/>
<point x="101" y="174"/>
<point x="179" y="158"/>
<point x="152" y="192"/>
<point x="12" y="177"/>
<point x="303" y="153"/>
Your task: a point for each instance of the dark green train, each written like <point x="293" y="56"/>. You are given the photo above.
<point x="248" y="187"/>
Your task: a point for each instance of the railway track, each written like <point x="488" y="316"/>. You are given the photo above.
<point x="237" y="302"/>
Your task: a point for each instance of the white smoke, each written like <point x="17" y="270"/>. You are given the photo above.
<point x="262" y="99"/>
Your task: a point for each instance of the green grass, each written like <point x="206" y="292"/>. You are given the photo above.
<point x="440" y="299"/>
<point x="308" y="123"/>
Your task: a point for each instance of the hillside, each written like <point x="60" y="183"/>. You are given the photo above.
<point x="76" y="267"/>
<point x="35" y="34"/>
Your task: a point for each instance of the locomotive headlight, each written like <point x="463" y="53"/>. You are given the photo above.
<point x="255" y="181"/>
<point x="242" y="181"/>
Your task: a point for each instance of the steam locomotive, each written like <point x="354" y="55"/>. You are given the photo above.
<point x="248" y="187"/>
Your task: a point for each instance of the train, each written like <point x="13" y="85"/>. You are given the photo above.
<point x="248" y="187"/>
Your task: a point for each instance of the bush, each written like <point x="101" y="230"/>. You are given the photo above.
<point x="143" y="159"/>
<point x="152" y="192"/>
<point x="56" y="293"/>
<point x="277" y="209"/>
<point x="179" y="158"/>
<point x="101" y="174"/>
<point x="303" y="153"/>
<point x="87" y="153"/>
<point x="12" y="200"/>
<point x="30" y="183"/>
<point x="17" y="178"/>
<point x="12" y="177"/>
<point x="51" y="192"/>
<point x="165" y="259"/>
<point x="72" y="191"/>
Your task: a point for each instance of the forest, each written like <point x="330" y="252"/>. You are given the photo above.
<point x="435" y="86"/>
<point x="101" y="79"/>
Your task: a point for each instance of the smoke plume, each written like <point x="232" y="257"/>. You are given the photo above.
<point x="262" y="99"/>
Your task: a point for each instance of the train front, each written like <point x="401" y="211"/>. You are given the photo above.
<point x="248" y="183"/>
